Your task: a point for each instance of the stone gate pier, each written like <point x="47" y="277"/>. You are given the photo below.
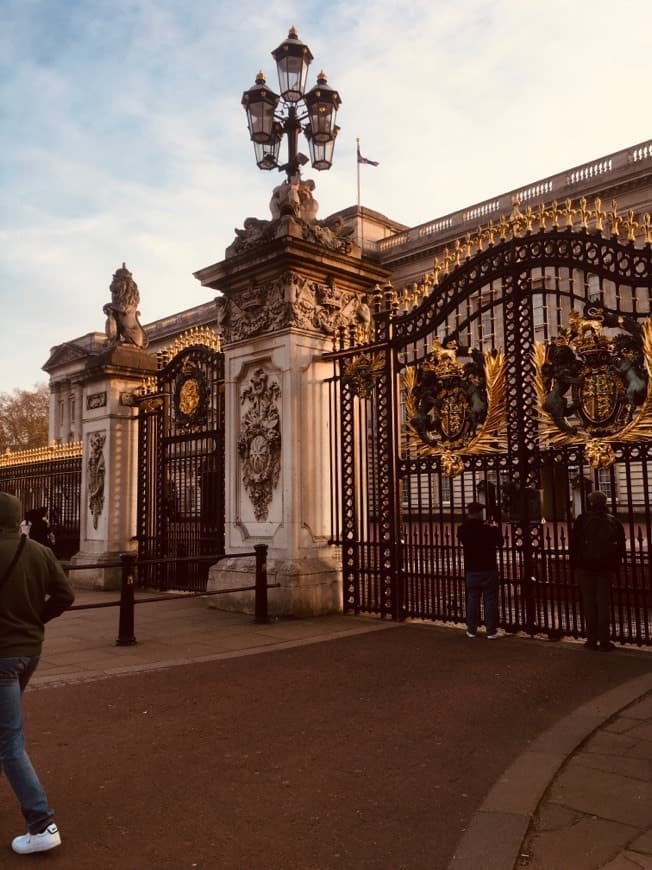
<point x="289" y="285"/>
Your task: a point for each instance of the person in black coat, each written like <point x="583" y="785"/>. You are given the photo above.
<point x="39" y="527"/>
<point x="480" y="542"/>
<point x="597" y="548"/>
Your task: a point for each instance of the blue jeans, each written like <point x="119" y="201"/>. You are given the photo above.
<point x="14" y="676"/>
<point x="482" y="584"/>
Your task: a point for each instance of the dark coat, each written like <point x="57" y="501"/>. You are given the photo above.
<point x="36" y="591"/>
<point x="480" y="542"/>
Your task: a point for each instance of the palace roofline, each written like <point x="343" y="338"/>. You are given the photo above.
<point x="586" y="179"/>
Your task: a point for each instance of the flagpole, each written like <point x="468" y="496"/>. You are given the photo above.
<point x="357" y="163"/>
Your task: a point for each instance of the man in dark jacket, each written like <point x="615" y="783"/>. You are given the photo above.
<point x="480" y="542"/>
<point x="597" y="547"/>
<point x="39" y="527"/>
<point x="33" y="590"/>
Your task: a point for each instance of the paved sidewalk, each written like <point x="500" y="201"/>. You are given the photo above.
<point x="577" y="797"/>
<point x="81" y="647"/>
<point x="599" y="807"/>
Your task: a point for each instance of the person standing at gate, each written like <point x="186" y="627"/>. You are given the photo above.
<point x="39" y="526"/>
<point x="480" y="542"/>
<point x="597" y="547"/>
<point x="33" y="590"/>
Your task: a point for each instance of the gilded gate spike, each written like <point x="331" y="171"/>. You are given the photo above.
<point x="647" y="228"/>
<point x="599" y="215"/>
<point x="615" y="219"/>
<point x="631" y="225"/>
<point x="542" y="216"/>
<point x="584" y="213"/>
<point x="436" y="270"/>
<point x="529" y="218"/>
<point x="516" y="220"/>
<point x="520" y="222"/>
<point x="68" y="450"/>
<point x="569" y="211"/>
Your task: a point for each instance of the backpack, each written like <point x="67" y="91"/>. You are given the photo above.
<point x="599" y="544"/>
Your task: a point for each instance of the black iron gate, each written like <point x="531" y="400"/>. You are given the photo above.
<point x="49" y="477"/>
<point x="181" y="464"/>
<point x="516" y="373"/>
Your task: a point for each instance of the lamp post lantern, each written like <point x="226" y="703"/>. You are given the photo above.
<point x="271" y="116"/>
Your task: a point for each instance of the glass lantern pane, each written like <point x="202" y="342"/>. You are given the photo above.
<point x="261" y="118"/>
<point x="292" y="76"/>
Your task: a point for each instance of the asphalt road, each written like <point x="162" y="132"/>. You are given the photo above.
<point x="365" y="752"/>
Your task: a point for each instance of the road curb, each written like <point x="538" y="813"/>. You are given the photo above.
<point x="51" y="681"/>
<point x="496" y="832"/>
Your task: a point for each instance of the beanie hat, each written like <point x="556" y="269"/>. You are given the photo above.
<point x="11" y="511"/>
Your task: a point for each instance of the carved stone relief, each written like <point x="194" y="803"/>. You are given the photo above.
<point x="293" y="203"/>
<point x="291" y="300"/>
<point x="259" y="444"/>
<point x="96" y="400"/>
<point x="96" y="472"/>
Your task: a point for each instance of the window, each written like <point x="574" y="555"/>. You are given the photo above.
<point x="605" y="483"/>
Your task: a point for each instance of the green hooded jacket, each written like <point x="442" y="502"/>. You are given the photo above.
<point x="37" y="589"/>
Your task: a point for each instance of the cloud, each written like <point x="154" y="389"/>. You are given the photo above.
<point x="123" y="136"/>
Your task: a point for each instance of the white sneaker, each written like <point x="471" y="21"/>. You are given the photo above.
<point x="37" y="842"/>
<point x="496" y="636"/>
<point x="468" y="634"/>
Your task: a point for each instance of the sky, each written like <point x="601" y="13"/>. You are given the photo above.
<point x="123" y="138"/>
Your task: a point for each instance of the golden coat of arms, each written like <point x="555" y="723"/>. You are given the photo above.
<point x="455" y="407"/>
<point x="595" y="387"/>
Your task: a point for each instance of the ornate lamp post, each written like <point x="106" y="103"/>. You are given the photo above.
<point x="271" y="116"/>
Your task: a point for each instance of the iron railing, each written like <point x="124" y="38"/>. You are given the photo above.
<point x="130" y="563"/>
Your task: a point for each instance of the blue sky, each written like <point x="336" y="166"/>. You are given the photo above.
<point x="122" y="136"/>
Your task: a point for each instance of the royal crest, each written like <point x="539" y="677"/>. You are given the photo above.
<point x="455" y="403"/>
<point x="362" y="373"/>
<point x="190" y="396"/>
<point x="593" y="382"/>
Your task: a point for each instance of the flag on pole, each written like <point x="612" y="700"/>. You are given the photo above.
<point x="362" y="159"/>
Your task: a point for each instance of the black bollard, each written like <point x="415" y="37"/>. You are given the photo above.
<point x="126" y="635"/>
<point x="261" y="584"/>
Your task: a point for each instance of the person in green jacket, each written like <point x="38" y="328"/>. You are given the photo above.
<point x="33" y="590"/>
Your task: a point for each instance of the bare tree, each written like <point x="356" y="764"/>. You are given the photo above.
<point x="24" y="418"/>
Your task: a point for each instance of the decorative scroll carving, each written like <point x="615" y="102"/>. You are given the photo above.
<point x="292" y="202"/>
<point x="455" y="409"/>
<point x="96" y="400"/>
<point x="259" y="444"/>
<point x="292" y="300"/>
<point x="596" y="389"/>
<point x="96" y="471"/>
<point x="122" y="323"/>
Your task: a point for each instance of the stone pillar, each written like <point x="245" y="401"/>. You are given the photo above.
<point x="278" y="475"/>
<point x="289" y="285"/>
<point x="109" y="471"/>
